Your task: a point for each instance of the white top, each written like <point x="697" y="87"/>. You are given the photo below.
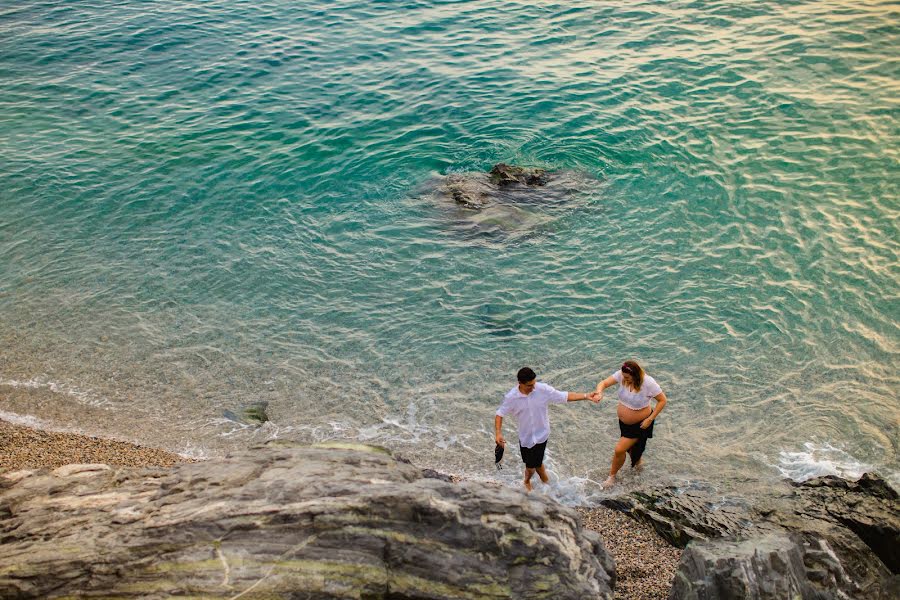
<point x="531" y="411"/>
<point x="641" y="398"/>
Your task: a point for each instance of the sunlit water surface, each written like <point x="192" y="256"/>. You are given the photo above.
<point x="208" y="204"/>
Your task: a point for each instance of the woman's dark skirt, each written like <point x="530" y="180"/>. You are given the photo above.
<point x="635" y="432"/>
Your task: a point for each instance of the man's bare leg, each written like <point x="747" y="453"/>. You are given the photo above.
<point x="618" y="459"/>
<point x="528" y="474"/>
<point x="542" y="473"/>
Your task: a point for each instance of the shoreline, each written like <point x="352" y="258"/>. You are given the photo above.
<point x="645" y="562"/>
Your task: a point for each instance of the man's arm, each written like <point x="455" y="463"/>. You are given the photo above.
<point x="576" y="396"/>
<point x="498" y="426"/>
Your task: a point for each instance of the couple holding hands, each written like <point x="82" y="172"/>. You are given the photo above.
<point x="528" y="402"/>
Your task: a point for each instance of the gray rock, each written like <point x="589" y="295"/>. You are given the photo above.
<point x="846" y="534"/>
<point x="508" y="199"/>
<point x="769" y="567"/>
<point x="328" y="522"/>
<point x="503" y="174"/>
<point x="869" y="508"/>
<point x="682" y="515"/>
<point x="503" y="182"/>
<point x="472" y="191"/>
<point x="512" y="185"/>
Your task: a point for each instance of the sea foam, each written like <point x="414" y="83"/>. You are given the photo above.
<point x="817" y="460"/>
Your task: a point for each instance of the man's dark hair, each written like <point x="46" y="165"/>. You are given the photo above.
<point x="525" y="375"/>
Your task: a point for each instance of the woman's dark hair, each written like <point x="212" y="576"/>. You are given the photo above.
<point x="634" y="370"/>
<point x="525" y="375"/>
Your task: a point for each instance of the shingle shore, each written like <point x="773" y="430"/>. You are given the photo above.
<point x="645" y="563"/>
<point x="25" y="448"/>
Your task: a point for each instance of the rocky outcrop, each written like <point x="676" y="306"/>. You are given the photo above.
<point x="503" y="174"/>
<point x="510" y="185"/>
<point x="341" y="521"/>
<point x="508" y="199"/>
<point x="869" y="508"/>
<point x="769" y="567"/>
<point x="682" y="515"/>
<point x="503" y="183"/>
<point x="844" y="534"/>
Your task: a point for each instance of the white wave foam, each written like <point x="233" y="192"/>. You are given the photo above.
<point x="569" y="491"/>
<point x="410" y="429"/>
<point x="190" y="451"/>
<point x="818" y="460"/>
<point x="57" y="388"/>
<point x="24" y="420"/>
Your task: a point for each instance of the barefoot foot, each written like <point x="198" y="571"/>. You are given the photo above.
<point x="610" y="481"/>
<point x="639" y="466"/>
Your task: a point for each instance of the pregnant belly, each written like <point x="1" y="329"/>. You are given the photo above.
<point x="630" y="416"/>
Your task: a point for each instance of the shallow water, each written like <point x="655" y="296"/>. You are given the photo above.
<point x="204" y="205"/>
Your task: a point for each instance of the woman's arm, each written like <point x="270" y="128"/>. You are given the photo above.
<point x="660" y="405"/>
<point x="608" y="382"/>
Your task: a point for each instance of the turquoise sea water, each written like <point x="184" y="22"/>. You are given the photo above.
<point x="209" y="204"/>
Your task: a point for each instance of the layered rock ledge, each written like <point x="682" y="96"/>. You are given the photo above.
<point x="827" y="538"/>
<point x="335" y="521"/>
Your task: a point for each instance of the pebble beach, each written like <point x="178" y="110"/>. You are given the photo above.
<point x="25" y="448"/>
<point x="645" y="563"/>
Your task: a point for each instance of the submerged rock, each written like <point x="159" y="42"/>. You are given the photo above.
<point x="511" y="184"/>
<point x="508" y="198"/>
<point x="253" y="413"/>
<point x="499" y="320"/>
<point x="329" y="522"/>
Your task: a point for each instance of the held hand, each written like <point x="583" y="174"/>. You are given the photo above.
<point x="595" y="397"/>
<point x="646" y="423"/>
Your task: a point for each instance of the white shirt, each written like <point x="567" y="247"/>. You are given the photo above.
<point x="641" y="398"/>
<point x="531" y="411"/>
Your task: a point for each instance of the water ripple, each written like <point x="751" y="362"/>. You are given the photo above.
<point x="207" y="203"/>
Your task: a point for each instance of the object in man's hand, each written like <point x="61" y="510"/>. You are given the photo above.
<point x="498" y="455"/>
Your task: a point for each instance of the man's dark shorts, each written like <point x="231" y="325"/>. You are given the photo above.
<point x="534" y="456"/>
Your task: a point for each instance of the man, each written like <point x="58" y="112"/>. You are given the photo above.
<point x="528" y="402"/>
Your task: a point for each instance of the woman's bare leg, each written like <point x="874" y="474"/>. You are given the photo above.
<point x="621" y="450"/>
<point x="543" y="474"/>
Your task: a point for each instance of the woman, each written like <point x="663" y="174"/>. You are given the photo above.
<point x="636" y="388"/>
